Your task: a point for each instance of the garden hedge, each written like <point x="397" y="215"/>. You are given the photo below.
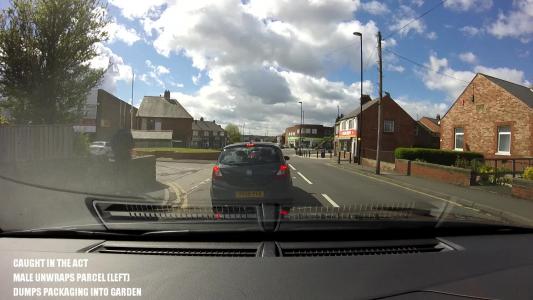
<point x="435" y="156"/>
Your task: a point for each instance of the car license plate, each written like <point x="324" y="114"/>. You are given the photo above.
<point x="250" y="194"/>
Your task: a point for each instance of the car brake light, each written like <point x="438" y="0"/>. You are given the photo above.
<point x="250" y="145"/>
<point x="283" y="170"/>
<point x="216" y="171"/>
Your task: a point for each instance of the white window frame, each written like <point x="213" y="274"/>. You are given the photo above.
<point x="206" y="133"/>
<point x="385" y="127"/>
<point x="195" y="132"/>
<point x="509" y="133"/>
<point x="455" y="134"/>
<point x="314" y="131"/>
<point x="350" y="124"/>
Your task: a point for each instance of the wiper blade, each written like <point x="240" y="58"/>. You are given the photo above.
<point x="43" y="232"/>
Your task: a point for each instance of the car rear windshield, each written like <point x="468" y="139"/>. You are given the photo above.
<point x="246" y="155"/>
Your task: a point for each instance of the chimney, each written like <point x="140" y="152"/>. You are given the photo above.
<point x="438" y="117"/>
<point x="365" y="99"/>
<point x="167" y="95"/>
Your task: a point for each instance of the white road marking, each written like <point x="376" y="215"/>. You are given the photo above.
<point x="302" y="175"/>
<point x="292" y="167"/>
<point x="330" y="200"/>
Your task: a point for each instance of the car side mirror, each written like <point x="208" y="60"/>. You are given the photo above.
<point x="286" y="157"/>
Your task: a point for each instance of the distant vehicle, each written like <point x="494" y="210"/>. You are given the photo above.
<point x="251" y="173"/>
<point x="100" y="148"/>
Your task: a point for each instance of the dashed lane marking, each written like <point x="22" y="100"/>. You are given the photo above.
<point x="304" y="178"/>
<point x="330" y="200"/>
<point x="292" y="167"/>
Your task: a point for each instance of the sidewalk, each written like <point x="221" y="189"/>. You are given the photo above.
<point x="496" y="201"/>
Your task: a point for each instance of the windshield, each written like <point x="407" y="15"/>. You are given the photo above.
<point x="212" y="115"/>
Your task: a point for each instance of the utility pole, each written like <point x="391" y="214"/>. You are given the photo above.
<point x="378" y="144"/>
<point x="131" y="107"/>
<point x="301" y="125"/>
<point x="360" y="117"/>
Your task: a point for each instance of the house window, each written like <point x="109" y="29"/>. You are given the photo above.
<point x="195" y="132"/>
<point x="350" y="124"/>
<point x="504" y="140"/>
<point x="206" y="133"/>
<point x="388" y="126"/>
<point x="308" y="130"/>
<point x="314" y="131"/>
<point x="337" y="129"/>
<point x="459" y="139"/>
<point x="417" y="131"/>
<point x="221" y="133"/>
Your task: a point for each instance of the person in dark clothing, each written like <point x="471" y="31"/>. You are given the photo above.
<point x="122" y="144"/>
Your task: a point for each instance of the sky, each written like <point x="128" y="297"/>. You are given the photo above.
<point x="252" y="61"/>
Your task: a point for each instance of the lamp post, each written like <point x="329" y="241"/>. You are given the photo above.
<point x="301" y="124"/>
<point x="360" y="118"/>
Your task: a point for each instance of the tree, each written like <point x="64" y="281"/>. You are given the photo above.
<point x="233" y="133"/>
<point x="45" y="49"/>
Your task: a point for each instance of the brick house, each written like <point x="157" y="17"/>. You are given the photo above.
<point x="312" y="135"/>
<point x="491" y="116"/>
<point x="427" y="132"/>
<point x="163" y="113"/>
<point x="208" y="134"/>
<point x="398" y="129"/>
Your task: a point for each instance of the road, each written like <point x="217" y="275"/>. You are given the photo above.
<point x="316" y="183"/>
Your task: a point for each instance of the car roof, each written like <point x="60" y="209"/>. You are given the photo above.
<point x="255" y="143"/>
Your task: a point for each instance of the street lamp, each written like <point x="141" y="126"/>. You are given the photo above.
<point x="301" y="124"/>
<point x="360" y="118"/>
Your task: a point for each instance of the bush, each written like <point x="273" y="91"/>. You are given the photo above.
<point x="81" y="144"/>
<point x="528" y="173"/>
<point x="437" y="156"/>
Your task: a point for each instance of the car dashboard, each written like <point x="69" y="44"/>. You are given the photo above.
<point x="451" y="267"/>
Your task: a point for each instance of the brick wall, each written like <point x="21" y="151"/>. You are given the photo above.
<point x="441" y="173"/>
<point x="522" y="188"/>
<point x="181" y="129"/>
<point x="404" y="127"/>
<point x="402" y="166"/>
<point x="492" y="107"/>
<point x="112" y="115"/>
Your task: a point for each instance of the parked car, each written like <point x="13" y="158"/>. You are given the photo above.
<point x="251" y="173"/>
<point x="100" y="148"/>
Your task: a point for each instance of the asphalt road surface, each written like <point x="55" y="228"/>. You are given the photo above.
<point x="316" y="183"/>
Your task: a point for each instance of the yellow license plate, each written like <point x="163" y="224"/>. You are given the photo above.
<point x="250" y="194"/>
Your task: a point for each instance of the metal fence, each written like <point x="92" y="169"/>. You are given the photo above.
<point x="502" y="166"/>
<point x="35" y="142"/>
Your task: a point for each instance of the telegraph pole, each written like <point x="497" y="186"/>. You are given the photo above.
<point x="131" y="106"/>
<point x="378" y="144"/>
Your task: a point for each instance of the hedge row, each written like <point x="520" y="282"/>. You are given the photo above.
<point x="435" y="156"/>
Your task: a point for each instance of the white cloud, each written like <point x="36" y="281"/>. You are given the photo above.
<point x="395" y="68"/>
<point x="136" y="8"/>
<point x="432" y="35"/>
<point x="471" y="31"/>
<point x="118" y="32"/>
<point x="453" y="81"/>
<point x="406" y="17"/>
<point x="375" y="7"/>
<point x="417" y="2"/>
<point x="117" y="70"/>
<point x="418" y="109"/>
<point x="517" y="24"/>
<point x="468" y="57"/>
<point x="465" y="5"/>
<point x="260" y="57"/>
<point x="508" y="74"/>
<point x="160" y="70"/>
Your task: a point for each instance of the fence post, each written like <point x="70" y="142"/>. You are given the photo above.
<point x="316" y="153"/>
<point x="495" y="170"/>
<point x="330" y="154"/>
<point x="514" y="168"/>
<point x="350" y="157"/>
<point x="339" y="158"/>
